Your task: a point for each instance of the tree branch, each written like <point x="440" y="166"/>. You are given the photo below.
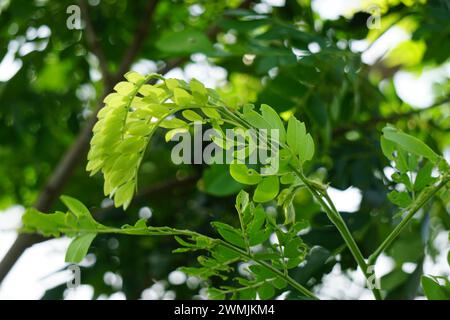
<point x="139" y="37"/>
<point x="94" y="45"/>
<point x="70" y="160"/>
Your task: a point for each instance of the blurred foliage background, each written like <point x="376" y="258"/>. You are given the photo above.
<point x="282" y="53"/>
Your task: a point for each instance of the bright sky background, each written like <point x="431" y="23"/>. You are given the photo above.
<point x="37" y="268"/>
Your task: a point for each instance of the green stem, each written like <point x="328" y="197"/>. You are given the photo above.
<point x="167" y="231"/>
<point x="264" y="264"/>
<point x="420" y="201"/>
<point x="334" y="216"/>
<point x="253" y="286"/>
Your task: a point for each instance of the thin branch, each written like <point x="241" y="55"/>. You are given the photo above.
<point x="328" y="206"/>
<point x="92" y="41"/>
<point x="139" y="37"/>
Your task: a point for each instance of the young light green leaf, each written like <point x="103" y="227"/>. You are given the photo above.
<point x="192" y="115"/>
<point x="306" y="149"/>
<point x="296" y="130"/>
<point x="174" y="132"/>
<point x="274" y="120"/>
<point x="211" y="113"/>
<point x="172" y="83"/>
<point x="79" y="247"/>
<point x="256" y="120"/>
<point x="267" y="189"/>
<point x="244" y="175"/>
<point x="173" y="123"/>
<point x="134" y="77"/>
<point x="124" y="88"/>
<point x="45" y="224"/>
<point x="182" y="97"/>
<point x="75" y="206"/>
<point x="124" y="195"/>
<point x="300" y="142"/>
<point x="199" y="91"/>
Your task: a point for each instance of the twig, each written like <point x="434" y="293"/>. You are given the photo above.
<point x="92" y="41"/>
<point x="139" y="37"/>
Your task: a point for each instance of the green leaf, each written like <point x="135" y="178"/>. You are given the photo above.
<point x="45" y="224"/>
<point x="229" y="233"/>
<point x="242" y="201"/>
<point x="75" y="206"/>
<point x="259" y="237"/>
<point x="433" y="290"/>
<point x="259" y="217"/>
<point x="274" y="120"/>
<point x="172" y="83"/>
<point x="306" y="151"/>
<point x="184" y="42"/>
<point x="401" y="199"/>
<point x="289" y="213"/>
<point x="256" y="120"/>
<point x="124" y="195"/>
<point x="267" y="189"/>
<point x="266" y="291"/>
<point x="215" y="294"/>
<point x="172" y="133"/>
<point x="199" y="92"/>
<point x="173" y="123"/>
<point x="410" y="143"/>
<point x="218" y="181"/>
<point x="300" y="142"/>
<point x="295" y="131"/>
<point x="424" y="177"/>
<point x="124" y="88"/>
<point x="244" y="175"/>
<point x="192" y="115"/>
<point x="79" y="247"/>
<point x="211" y="113"/>
<point x="53" y="224"/>
<point x="134" y="77"/>
<point x="182" y="97"/>
<point x="388" y="148"/>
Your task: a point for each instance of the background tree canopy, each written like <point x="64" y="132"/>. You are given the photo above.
<point x="335" y="74"/>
